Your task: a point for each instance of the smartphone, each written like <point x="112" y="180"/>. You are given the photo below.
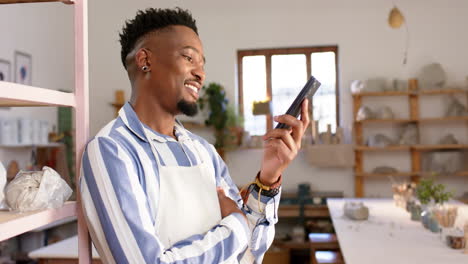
<point x="307" y="92"/>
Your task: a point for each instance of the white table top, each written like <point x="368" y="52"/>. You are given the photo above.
<point x="65" y="249"/>
<point x="389" y="236"/>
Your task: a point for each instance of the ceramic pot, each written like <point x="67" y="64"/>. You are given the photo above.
<point x="425" y="216"/>
<point x="415" y="212"/>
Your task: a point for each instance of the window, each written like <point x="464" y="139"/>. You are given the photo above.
<point x="277" y="75"/>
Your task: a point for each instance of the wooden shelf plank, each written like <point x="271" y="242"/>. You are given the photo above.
<point x="456" y="174"/>
<point x="420" y="147"/>
<point x="68" y="2"/>
<point x="398" y="174"/>
<point x="389" y="148"/>
<point x="310" y="211"/>
<point x="13" y="224"/>
<point x="386" y="121"/>
<point x="405" y="93"/>
<point x="49" y="145"/>
<point x="14" y="94"/>
<point x="443" y="119"/>
<point x="388" y="93"/>
<point x="442" y="91"/>
<point x="439" y="147"/>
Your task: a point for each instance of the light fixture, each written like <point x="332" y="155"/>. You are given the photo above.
<point x="395" y="21"/>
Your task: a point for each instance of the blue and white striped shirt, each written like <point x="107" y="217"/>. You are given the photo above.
<point x="119" y="188"/>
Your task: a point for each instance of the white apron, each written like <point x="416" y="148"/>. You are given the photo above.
<point x="188" y="201"/>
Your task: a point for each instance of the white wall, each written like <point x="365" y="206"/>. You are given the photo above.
<point x="45" y="31"/>
<point x="367" y="48"/>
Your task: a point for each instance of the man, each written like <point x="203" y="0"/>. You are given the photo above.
<point x="152" y="191"/>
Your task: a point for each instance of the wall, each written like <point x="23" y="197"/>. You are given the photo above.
<point x="367" y="48"/>
<point x="46" y="32"/>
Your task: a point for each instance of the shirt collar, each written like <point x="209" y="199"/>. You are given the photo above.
<point x="131" y="120"/>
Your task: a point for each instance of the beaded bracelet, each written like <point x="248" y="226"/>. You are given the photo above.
<point x="269" y="191"/>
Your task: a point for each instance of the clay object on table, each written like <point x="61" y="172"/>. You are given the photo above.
<point x="356" y="211"/>
<point x="385" y="113"/>
<point x="432" y="76"/>
<point x="448" y="139"/>
<point x="409" y="135"/>
<point x="446" y="215"/>
<point x="380" y="140"/>
<point x="357" y="86"/>
<point x="384" y="170"/>
<point x="364" y="113"/>
<point x="456" y="241"/>
<point x="455" y="108"/>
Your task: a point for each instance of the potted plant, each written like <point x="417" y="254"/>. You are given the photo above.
<point x="431" y="195"/>
<point x="214" y="98"/>
<point x="424" y="192"/>
<point x="440" y="195"/>
<point x="235" y="129"/>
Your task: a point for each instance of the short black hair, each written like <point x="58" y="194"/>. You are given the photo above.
<point x="149" y="20"/>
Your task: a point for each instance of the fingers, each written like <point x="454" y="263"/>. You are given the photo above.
<point x="305" y="114"/>
<point x="221" y="193"/>
<point x="282" y="152"/>
<point x="284" y="135"/>
<point x="296" y="125"/>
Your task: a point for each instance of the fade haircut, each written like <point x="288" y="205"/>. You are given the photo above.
<point x="150" y="20"/>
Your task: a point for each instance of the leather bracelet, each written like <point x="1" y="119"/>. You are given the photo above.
<point x="268" y="191"/>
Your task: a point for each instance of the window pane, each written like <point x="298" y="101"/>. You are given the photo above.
<point x="324" y="101"/>
<point x="288" y="76"/>
<point x="254" y="89"/>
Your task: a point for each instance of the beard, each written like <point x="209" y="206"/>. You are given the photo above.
<point x="187" y="108"/>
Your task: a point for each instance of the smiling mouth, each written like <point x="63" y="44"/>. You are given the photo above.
<point x="193" y="89"/>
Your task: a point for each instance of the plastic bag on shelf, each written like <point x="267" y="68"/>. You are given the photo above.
<point x="34" y="190"/>
<point x="3" y="181"/>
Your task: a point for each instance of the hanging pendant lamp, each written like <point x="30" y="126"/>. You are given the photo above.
<point x="395" y="19"/>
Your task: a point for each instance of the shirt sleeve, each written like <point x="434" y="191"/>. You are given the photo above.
<point x="261" y="212"/>
<point x="118" y="216"/>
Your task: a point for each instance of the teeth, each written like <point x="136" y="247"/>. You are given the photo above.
<point x="192" y="87"/>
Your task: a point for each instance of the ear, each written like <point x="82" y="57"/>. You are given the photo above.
<point x="143" y="58"/>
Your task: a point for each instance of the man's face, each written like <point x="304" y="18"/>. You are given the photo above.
<point x="177" y="69"/>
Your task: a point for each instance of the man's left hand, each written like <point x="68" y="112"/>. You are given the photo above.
<point x="282" y="145"/>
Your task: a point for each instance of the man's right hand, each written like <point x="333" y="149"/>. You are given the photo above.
<point x="227" y="205"/>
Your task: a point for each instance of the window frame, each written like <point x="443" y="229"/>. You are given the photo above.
<point x="268" y="53"/>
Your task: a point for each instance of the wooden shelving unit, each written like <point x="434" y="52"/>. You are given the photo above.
<point x="379" y="175"/>
<point x="9" y="222"/>
<point x="413" y="94"/>
<point x="309" y="211"/>
<point x="68" y="2"/>
<point x="389" y="148"/>
<point x="12" y="94"/>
